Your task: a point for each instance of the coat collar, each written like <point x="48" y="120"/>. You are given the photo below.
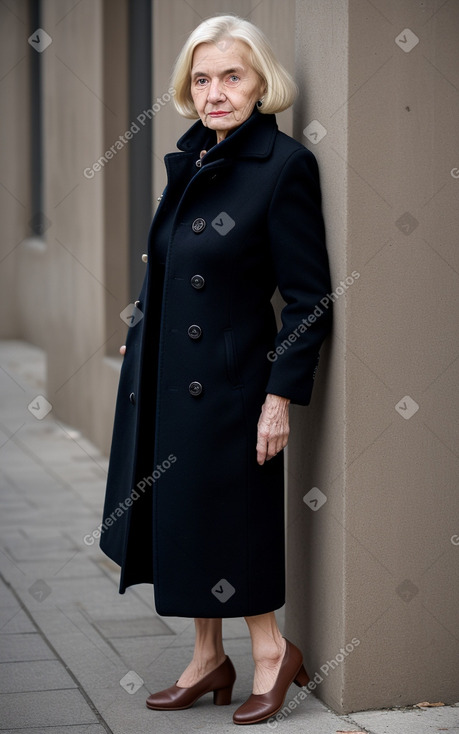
<point x="253" y="139"/>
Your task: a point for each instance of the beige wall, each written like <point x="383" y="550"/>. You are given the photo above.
<point x="376" y="561"/>
<point x="391" y="144"/>
<point x="315" y="612"/>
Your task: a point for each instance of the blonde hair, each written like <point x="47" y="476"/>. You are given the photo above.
<point x="281" y="90"/>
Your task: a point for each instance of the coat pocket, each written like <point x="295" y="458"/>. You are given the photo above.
<point x="231" y="360"/>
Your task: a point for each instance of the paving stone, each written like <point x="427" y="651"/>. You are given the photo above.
<point x="92" y="660"/>
<point x="7" y="598"/>
<point x="39" y="533"/>
<point x="23" y="647"/>
<point x="76" y="565"/>
<point x="70" y="729"/>
<point x="45" y="708"/>
<point x="98" y="597"/>
<point x="12" y="507"/>
<point x="406" y="721"/>
<point x="137" y="627"/>
<point x="81" y="528"/>
<point x="34" y="675"/>
<point x="14" y="620"/>
<point x="109" y="566"/>
<point x="131" y="715"/>
<point x="30" y="550"/>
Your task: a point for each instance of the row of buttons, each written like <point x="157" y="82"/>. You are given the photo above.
<point x="194" y="331"/>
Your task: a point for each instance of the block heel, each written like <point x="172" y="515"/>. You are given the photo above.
<point x="222" y="696"/>
<point x="302" y="678"/>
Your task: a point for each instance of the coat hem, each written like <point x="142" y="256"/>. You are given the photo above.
<point x="204" y="614"/>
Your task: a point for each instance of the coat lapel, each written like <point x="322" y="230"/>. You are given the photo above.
<point x="253" y="139"/>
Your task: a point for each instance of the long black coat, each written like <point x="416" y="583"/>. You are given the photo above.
<point x="187" y="506"/>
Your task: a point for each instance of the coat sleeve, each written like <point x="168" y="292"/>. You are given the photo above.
<point x="297" y="241"/>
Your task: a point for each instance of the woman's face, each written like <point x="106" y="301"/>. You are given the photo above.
<point x="224" y="86"/>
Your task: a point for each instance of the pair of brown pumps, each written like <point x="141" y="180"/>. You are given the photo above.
<point x="258" y="707"/>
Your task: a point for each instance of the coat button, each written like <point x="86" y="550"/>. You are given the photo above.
<point x="198" y="225"/>
<point x="194" y="331"/>
<point x="144" y="257"/>
<point x="132" y="398"/>
<point x="137" y="304"/>
<point x="197" y="281"/>
<point x="195" y="389"/>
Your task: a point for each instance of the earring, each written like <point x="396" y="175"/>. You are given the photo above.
<point x="260" y="103"/>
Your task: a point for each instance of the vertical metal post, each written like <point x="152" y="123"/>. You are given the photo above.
<point x="140" y="146"/>
<point x="38" y="219"/>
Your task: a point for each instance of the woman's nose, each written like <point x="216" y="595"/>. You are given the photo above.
<point x="215" y="91"/>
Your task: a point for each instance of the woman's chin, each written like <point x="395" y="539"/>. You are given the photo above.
<point x="220" y="124"/>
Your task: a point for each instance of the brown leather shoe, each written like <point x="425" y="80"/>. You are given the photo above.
<point x="261" y="706"/>
<point x="176" y="698"/>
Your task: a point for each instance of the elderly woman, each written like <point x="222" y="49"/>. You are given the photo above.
<point x="195" y="495"/>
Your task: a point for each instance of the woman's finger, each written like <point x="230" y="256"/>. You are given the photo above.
<point x="123" y="350"/>
<point x="273" y="428"/>
<point x="262" y="447"/>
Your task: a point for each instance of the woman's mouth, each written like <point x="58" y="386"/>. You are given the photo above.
<point x="218" y="113"/>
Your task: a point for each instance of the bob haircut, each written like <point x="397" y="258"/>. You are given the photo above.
<point x="281" y="90"/>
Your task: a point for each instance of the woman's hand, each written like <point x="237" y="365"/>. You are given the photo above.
<point x="123" y="350"/>
<point x="273" y="428"/>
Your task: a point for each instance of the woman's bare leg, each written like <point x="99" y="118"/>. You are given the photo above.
<point x="208" y="651"/>
<point x="268" y="648"/>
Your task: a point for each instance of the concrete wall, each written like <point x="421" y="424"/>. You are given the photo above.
<point x="65" y="291"/>
<point x="315" y="613"/>
<point x="375" y="563"/>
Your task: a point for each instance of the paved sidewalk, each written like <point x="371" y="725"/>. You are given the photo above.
<point x="75" y="656"/>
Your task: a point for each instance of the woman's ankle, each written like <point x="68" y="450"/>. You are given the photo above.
<point x="208" y="660"/>
<point x="269" y="653"/>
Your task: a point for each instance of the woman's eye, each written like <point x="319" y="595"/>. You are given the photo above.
<point x="200" y="82"/>
<point x="234" y="78"/>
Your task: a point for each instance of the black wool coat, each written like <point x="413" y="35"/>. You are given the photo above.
<point x="187" y="506"/>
